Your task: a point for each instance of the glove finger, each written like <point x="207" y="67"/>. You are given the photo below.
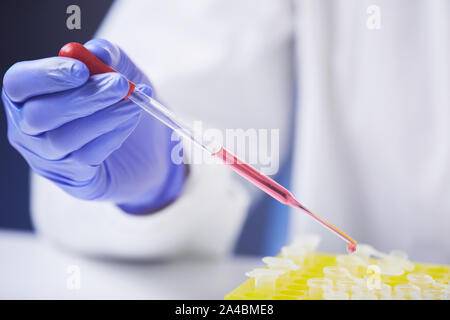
<point x="28" y="79"/>
<point x="99" y="149"/>
<point x="117" y="59"/>
<point x="66" y="171"/>
<point x="44" y="113"/>
<point x="58" y="143"/>
<point x="79" y="167"/>
<point x="77" y="179"/>
<point x="87" y="129"/>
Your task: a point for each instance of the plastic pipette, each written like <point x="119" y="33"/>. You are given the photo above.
<point x="157" y="110"/>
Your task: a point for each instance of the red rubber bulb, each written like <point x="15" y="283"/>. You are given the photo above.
<point x="95" y="65"/>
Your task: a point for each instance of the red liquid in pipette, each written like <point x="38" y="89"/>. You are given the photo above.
<point x="277" y="191"/>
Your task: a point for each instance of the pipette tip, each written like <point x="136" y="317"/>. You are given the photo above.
<point x="351" y="248"/>
<point x="351" y="244"/>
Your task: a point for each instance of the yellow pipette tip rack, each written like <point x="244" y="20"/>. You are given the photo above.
<point x="301" y="273"/>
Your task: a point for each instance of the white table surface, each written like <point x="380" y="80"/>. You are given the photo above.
<point x="31" y="269"/>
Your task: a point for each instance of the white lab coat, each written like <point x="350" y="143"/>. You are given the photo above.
<point x="372" y="120"/>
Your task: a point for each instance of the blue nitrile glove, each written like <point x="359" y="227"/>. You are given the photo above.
<point x="76" y="130"/>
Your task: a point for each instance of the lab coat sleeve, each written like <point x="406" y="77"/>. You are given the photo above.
<point x="204" y="220"/>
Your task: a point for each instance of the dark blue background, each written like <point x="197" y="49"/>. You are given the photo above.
<point x="32" y="30"/>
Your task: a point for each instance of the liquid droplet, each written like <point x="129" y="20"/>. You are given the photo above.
<point x="351" y="247"/>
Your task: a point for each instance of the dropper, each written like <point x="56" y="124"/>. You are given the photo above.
<point x="156" y="109"/>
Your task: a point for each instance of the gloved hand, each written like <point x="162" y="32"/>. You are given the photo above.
<point x="76" y="130"/>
